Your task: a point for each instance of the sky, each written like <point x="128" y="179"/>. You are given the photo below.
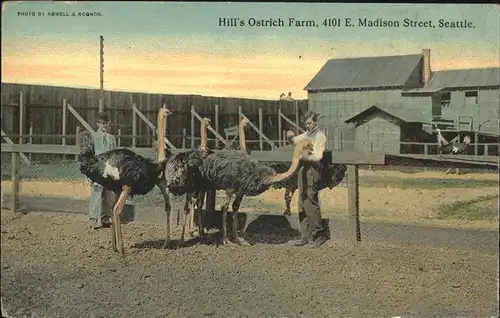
<point x="179" y="47"/>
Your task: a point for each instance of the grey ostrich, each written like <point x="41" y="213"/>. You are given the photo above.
<point x="240" y="175"/>
<point x="182" y="176"/>
<point x="125" y="173"/>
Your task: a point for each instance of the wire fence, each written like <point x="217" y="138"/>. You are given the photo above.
<point x="53" y="182"/>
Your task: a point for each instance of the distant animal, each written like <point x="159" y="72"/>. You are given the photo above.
<point x="126" y="173"/>
<point x="453" y="147"/>
<point x="240" y="175"/>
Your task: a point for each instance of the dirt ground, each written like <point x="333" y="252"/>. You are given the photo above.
<point x="53" y="265"/>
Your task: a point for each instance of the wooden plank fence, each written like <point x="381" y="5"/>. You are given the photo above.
<point x="44" y="104"/>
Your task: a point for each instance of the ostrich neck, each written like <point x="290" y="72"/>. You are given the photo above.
<point x="285" y="175"/>
<point x="243" y="146"/>
<point x="162" y="125"/>
<point x="203" y="131"/>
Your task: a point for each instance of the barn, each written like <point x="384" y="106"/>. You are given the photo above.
<point x="344" y="88"/>
<point x="383" y="129"/>
<point x="392" y="99"/>
<point x="467" y="98"/>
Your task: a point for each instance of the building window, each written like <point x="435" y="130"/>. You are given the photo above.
<point x="471" y="97"/>
<point x="445" y="99"/>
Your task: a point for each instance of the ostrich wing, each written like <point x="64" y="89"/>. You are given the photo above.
<point x="182" y="171"/>
<point x="236" y="170"/>
<point x="335" y="174"/>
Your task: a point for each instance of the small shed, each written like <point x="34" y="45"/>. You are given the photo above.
<point x="381" y="129"/>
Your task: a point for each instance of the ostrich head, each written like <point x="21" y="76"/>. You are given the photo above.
<point x="244" y="122"/>
<point x="164" y="112"/>
<point x="206" y="121"/>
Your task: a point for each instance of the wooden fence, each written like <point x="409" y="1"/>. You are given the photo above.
<point x="43" y="112"/>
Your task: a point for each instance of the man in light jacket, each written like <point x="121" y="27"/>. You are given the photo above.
<point x="101" y="200"/>
<point x="309" y="179"/>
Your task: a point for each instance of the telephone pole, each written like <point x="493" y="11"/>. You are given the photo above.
<point x="101" y="69"/>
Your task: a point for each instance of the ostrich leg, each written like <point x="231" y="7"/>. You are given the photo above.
<point x="188" y="211"/>
<point x="194" y="202"/>
<point x="236" y="206"/>
<point x="113" y="229"/>
<point x="224" y="209"/>
<point x="288" y="198"/>
<point x="117" y="216"/>
<point x="199" y="206"/>
<point x="168" y="209"/>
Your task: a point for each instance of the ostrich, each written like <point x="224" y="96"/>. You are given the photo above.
<point x="183" y="176"/>
<point x="453" y="147"/>
<point x="127" y="174"/>
<point x="332" y="173"/>
<point x="239" y="174"/>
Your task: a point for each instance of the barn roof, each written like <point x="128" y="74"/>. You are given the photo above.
<point x="406" y="115"/>
<point x="364" y="72"/>
<point x="468" y="78"/>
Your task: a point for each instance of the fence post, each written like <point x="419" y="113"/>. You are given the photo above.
<point x="119" y="138"/>
<point x="15" y="181"/>
<point x="353" y="186"/>
<point x="297" y="120"/>
<point x="21" y="117"/>
<point x="261" y="128"/>
<point x="279" y="127"/>
<point x="353" y="198"/>
<point x="184" y="133"/>
<point x="30" y="140"/>
<point x="64" y="113"/>
<point x="216" y="124"/>
<point x="134" y="125"/>
<point x="101" y="105"/>
<point x="192" y="127"/>
<point x="476" y="140"/>
<point x="76" y="142"/>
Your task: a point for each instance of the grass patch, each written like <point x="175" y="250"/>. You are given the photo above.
<point x="425" y="183"/>
<point x="481" y="208"/>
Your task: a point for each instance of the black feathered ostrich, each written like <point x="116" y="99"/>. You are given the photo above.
<point x="453" y="147"/>
<point x="240" y="175"/>
<point x="183" y="176"/>
<point x="127" y="174"/>
<point x="333" y="173"/>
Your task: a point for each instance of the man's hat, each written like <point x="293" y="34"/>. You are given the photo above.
<point x="103" y="117"/>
